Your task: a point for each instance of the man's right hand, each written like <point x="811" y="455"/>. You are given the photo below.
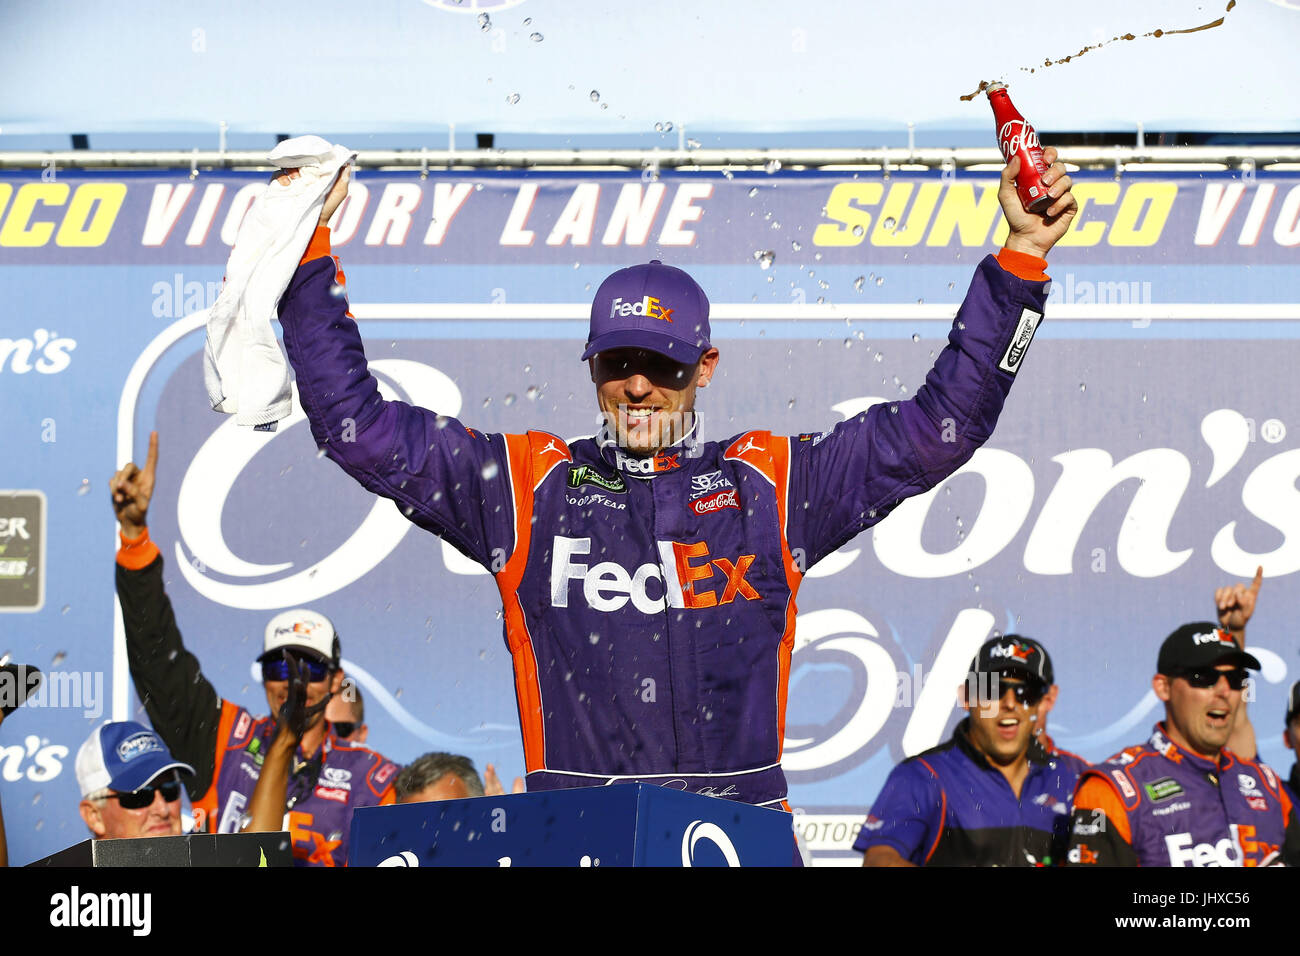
<point x="132" y="487"/>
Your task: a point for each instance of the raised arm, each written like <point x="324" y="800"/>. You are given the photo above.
<point x="445" y="477"/>
<point x="847" y="480"/>
<point x="182" y="704"/>
<point x="1235" y="604"/>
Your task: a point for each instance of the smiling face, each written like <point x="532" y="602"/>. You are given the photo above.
<point x="1001" y="728"/>
<point x="1198" y="718"/>
<point x="647" y="399"/>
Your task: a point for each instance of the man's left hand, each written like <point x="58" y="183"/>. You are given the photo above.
<point x="1031" y="232"/>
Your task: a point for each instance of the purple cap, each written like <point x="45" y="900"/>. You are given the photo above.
<point x="652" y="306"/>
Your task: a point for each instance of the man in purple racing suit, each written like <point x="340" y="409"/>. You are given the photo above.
<point x="649" y="577"/>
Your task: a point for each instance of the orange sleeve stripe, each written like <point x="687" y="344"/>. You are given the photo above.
<point x="319" y="247"/>
<point x="1096" y="793"/>
<point x="528" y="689"/>
<point x="208" y="802"/>
<point x="943" y="811"/>
<point x="781" y="470"/>
<point x="136" y="553"/>
<point x="1023" y="265"/>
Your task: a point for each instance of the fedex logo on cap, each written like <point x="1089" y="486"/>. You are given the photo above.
<point x="649" y="306"/>
<point x="1014" y="650"/>
<point x="1213" y="637"/>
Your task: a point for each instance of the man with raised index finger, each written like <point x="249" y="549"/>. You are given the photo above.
<point x="648" y="575"/>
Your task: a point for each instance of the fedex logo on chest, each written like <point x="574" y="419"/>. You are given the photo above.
<point x="686" y="576"/>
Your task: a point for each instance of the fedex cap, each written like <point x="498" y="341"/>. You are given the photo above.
<point x="1202" y="644"/>
<point x="301" y="630"/>
<point x="123" y="756"/>
<point x="1014" y="654"/>
<point x="651" y="306"/>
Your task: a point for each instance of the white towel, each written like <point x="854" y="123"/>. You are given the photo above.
<point x="245" y="372"/>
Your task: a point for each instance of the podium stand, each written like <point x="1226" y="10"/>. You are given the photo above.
<point x="621" y="825"/>
<point x="187" y="850"/>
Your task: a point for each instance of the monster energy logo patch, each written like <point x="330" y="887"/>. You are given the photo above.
<point x="1162" y="789"/>
<point x="580" y="475"/>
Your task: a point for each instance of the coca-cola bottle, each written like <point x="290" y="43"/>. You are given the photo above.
<point x="1017" y="138"/>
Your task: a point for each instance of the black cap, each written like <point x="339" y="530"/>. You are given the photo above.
<point x="1015" y="653"/>
<point x="1293" y="701"/>
<point x="1202" y="644"/>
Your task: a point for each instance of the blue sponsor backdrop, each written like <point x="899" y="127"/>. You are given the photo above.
<point x="1147" y="454"/>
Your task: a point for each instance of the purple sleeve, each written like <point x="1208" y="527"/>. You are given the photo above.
<point x="844" y="481"/>
<point x="445" y="477"/>
<point x="908" y="814"/>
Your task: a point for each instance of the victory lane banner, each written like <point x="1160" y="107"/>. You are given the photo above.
<point x="1146" y="455"/>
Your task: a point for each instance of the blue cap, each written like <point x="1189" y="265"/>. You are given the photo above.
<point x="651" y="306"/>
<point x="123" y="756"/>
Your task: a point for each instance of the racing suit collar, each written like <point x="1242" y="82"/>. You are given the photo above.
<point x="667" y="459"/>
<point x="1161" y="741"/>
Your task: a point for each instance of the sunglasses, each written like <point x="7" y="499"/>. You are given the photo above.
<point x="343" y="728"/>
<point x="1209" y="677"/>
<point x="139" y="799"/>
<point x="1028" y="693"/>
<point x="277" y="668"/>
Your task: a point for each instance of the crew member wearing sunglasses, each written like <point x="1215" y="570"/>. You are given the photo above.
<point x="324" y="777"/>
<point x="130" y="783"/>
<point x="1184" y="798"/>
<point x="989" y="796"/>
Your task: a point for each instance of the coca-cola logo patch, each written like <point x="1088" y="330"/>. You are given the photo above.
<point x="716" y="502"/>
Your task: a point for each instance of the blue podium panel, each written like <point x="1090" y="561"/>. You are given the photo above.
<point x="622" y="825"/>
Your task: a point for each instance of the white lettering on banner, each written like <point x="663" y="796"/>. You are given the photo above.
<point x="392" y="221"/>
<point x="837" y="629"/>
<point x="948" y="673"/>
<point x="1087" y="476"/>
<point x="1008" y="495"/>
<point x="633" y="214"/>
<point x="1255" y="217"/>
<point x="218" y="463"/>
<point x="578" y="219"/>
<point x="1228" y="434"/>
<point x="205" y="214"/>
<point x="52" y="353"/>
<point x="1270" y="495"/>
<point x="46" y="758"/>
<point x="1287" y="230"/>
<point x="514" y="233"/>
<point x="681" y="212"/>
<point x="165" y="207"/>
<point x="1217" y="206"/>
<point x="447" y="200"/>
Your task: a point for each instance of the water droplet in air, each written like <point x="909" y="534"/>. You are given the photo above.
<point x="916" y="337"/>
<point x="58" y="658"/>
<point x="512" y="99"/>
<point x="880" y="356"/>
<point x="790" y="404"/>
<point x="484" y="22"/>
<point x="753" y="191"/>
<point x="84" y="487"/>
<point x="859" y="282"/>
<point x="920" y="302"/>
<point x="535" y="37"/>
<point x="772" y="166"/>
<point x="1083" y="386"/>
<point x="848" y="343"/>
<point x="889" y="222"/>
<point x="509" y="399"/>
<point x="794" y="244"/>
<point x="337" y="290"/>
<point x="880" y="280"/>
<point x="695" y="144"/>
<point x="532" y="392"/>
<point x="593" y="637"/>
<point x="595" y="96"/>
<point x="604" y="106"/>
<point x="858" y="231"/>
<point x="765" y="258"/>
